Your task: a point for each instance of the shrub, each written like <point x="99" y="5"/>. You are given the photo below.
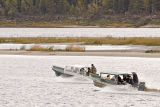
<point x="39" y="48"/>
<point x="75" y="48"/>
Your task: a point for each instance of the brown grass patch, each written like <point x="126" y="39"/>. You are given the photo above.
<point x="39" y="48"/>
<point x="148" y="41"/>
<point x="73" y="48"/>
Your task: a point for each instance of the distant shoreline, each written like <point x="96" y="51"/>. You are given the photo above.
<point x="147" y="41"/>
<point x="77" y="24"/>
<point x="95" y="53"/>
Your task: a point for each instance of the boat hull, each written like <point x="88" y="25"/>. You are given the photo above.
<point x="99" y="82"/>
<point x="60" y="72"/>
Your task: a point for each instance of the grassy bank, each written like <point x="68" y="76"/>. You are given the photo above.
<point x="37" y="24"/>
<point x="72" y="48"/>
<point x="148" y="41"/>
<point x="39" y="48"/>
<point x="152" y="51"/>
<point x="72" y="23"/>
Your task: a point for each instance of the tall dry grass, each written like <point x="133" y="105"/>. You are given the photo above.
<point x="39" y="48"/>
<point x="148" y="41"/>
<point x="65" y="23"/>
<point x="72" y="48"/>
<point x="39" y="24"/>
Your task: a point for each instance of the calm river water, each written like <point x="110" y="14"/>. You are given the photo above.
<point x="79" y="32"/>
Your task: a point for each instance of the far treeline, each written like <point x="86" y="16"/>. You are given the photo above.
<point x="91" y="10"/>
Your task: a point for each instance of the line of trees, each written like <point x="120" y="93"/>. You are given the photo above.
<point x="83" y="8"/>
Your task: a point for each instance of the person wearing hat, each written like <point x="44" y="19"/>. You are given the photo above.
<point x="93" y="69"/>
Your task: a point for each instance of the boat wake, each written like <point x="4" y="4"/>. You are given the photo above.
<point x="118" y="88"/>
<point x="152" y="90"/>
<point x="74" y="80"/>
<point x="127" y="90"/>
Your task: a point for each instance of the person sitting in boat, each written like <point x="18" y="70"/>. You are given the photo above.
<point x="89" y="71"/>
<point x="129" y="80"/>
<point x="93" y="69"/>
<point x="82" y="71"/>
<point x="124" y="77"/>
<point x="108" y="77"/>
<point x="135" y="79"/>
<point x="120" y="81"/>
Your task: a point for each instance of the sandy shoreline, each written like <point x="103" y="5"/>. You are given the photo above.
<point x="95" y="53"/>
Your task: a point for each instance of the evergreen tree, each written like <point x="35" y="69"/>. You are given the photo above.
<point x="78" y="8"/>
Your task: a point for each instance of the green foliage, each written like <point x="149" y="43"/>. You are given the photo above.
<point x="155" y="22"/>
<point x="86" y="8"/>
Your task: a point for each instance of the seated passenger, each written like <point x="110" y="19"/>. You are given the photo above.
<point x="108" y="77"/>
<point x="82" y="71"/>
<point x="124" y="77"/>
<point x="129" y="79"/>
<point x="89" y="71"/>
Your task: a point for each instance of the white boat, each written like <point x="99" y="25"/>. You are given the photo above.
<point x="71" y="70"/>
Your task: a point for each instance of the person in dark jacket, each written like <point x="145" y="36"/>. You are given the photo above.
<point x="135" y="78"/>
<point x="129" y="79"/>
<point x="89" y="71"/>
<point x="125" y="78"/>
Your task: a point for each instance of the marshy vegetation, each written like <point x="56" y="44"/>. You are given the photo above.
<point x="72" y="23"/>
<point x="147" y="41"/>
<point x="40" y="48"/>
<point x="152" y="51"/>
<point x="72" y="48"/>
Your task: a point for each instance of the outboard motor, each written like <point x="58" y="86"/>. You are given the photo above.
<point x="141" y="86"/>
